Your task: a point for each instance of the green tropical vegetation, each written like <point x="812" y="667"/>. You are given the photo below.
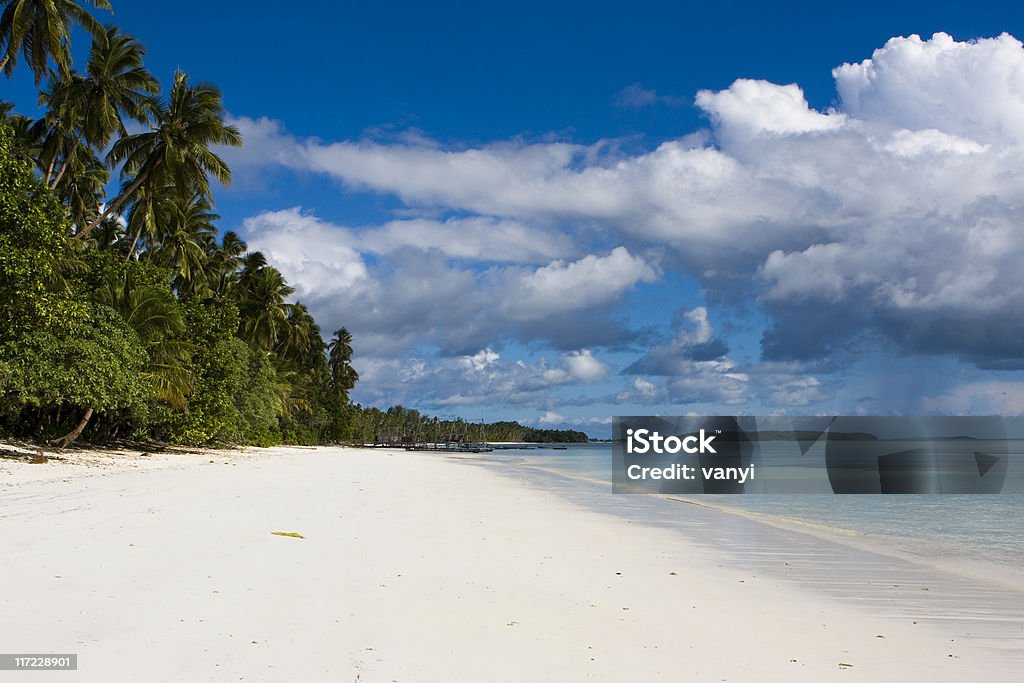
<point x="126" y="314"/>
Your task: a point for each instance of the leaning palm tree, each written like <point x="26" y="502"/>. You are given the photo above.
<point x="41" y="30"/>
<point x="177" y="148"/>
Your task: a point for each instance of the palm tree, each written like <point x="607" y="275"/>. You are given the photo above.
<point x="301" y="339"/>
<point x="229" y="255"/>
<point x="261" y="306"/>
<point x="288" y="386"/>
<point x="177" y="148"/>
<point x="153" y="314"/>
<point x="223" y="262"/>
<point x="41" y="31"/>
<point x="343" y="375"/>
<point x="28" y="135"/>
<point x="81" y="188"/>
<point x="186" y="229"/>
<point x="251" y="263"/>
<point x="341" y="347"/>
<point x="109" y="236"/>
<point x="56" y="130"/>
<point x="143" y="216"/>
<point x="115" y="86"/>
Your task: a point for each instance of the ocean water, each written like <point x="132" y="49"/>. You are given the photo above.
<point x="986" y="528"/>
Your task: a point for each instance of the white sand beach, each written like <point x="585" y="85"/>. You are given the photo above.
<point x="412" y="567"/>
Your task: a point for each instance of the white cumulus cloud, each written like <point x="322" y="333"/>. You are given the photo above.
<point x="970" y="89"/>
<point x="590" y="281"/>
<point x="893" y="217"/>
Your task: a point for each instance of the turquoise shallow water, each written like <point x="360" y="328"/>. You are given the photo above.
<point x="988" y="528"/>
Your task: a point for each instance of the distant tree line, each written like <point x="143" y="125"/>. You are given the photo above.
<point x="367" y="425"/>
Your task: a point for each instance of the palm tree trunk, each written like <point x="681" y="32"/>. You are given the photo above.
<point x="134" y="242"/>
<point x="60" y="172"/>
<point x="68" y="438"/>
<point x="67" y="162"/>
<point x="113" y="206"/>
<point x="49" y="170"/>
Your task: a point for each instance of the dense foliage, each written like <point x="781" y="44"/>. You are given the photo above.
<point x="129" y="345"/>
<point x="129" y="316"/>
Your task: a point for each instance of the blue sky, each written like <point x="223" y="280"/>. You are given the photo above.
<point x="559" y="214"/>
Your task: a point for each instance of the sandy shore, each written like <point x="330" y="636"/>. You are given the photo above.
<point x="413" y="567"/>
